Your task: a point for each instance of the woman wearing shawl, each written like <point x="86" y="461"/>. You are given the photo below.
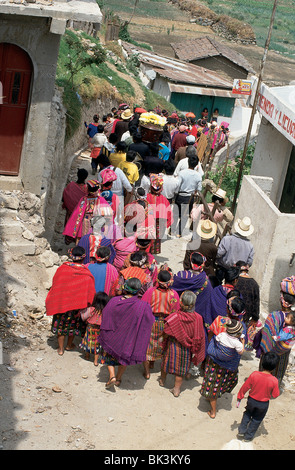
<point x="104" y="273"/>
<point x="79" y="223"/>
<point x="161" y="210"/>
<point x="197" y="281"/>
<point x="125" y="331"/>
<point x="219" y="294"/>
<point x="143" y="245"/>
<point x="73" y="192"/>
<point x="137" y="268"/>
<point x="73" y="289"/>
<point x="108" y="177"/>
<point x="221" y="366"/>
<point x="272" y="327"/>
<point x="184" y="343"/>
<point x="96" y="238"/>
<point x="163" y="301"/>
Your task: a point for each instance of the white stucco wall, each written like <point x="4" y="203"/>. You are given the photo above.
<point x="273" y="238"/>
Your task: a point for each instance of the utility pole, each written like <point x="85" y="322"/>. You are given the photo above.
<point x="262" y="65"/>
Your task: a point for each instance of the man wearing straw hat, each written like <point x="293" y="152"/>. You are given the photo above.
<point x="206" y="230"/>
<point x="234" y="247"/>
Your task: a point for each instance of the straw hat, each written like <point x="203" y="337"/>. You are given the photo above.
<point x="221" y="193"/>
<point x="206" y="229"/>
<point x="244" y="226"/>
<point x="126" y="115"/>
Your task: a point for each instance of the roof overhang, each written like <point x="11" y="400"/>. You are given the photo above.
<point x="195" y="90"/>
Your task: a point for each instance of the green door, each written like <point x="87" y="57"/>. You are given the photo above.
<point x="287" y="204"/>
<point x="196" y="103"/>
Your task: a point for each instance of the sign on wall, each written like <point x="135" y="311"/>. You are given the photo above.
<point x="242" y="87"/>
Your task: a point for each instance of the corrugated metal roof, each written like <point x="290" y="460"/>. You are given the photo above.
<point x="202" y="48"/>
<point x="195" y="90"/>
<point x="176" y="70"/>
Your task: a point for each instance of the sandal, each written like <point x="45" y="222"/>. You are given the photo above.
<point x="110" y="383"/>
<point x="118" y="382"/>
<point x="161" y="382"/>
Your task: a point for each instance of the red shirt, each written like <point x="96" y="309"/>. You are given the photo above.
<point x="262" y="387"/>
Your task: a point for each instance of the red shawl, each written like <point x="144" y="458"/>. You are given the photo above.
<point x="187" y="328"/>
<point x="72" y="194"/>
<point x="73" y="288"/>
<point x="161" y="208"/>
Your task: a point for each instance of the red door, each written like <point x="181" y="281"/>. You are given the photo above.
<point x="15" y="77"/>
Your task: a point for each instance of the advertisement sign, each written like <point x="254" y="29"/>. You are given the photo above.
<point x="242" y="87"/>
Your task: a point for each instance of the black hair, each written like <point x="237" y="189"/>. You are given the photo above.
<point x="197" y="258"/>
<point x="238" y="305"/>
<point x="231" y="274"/>
<point x="154" y="148"/>
<point x="289" y="298"/>
<point x="240" y="263"/>
<point x="82" y="175"/>
<point x="100" y="301"/>
<point x="137" y="137"/>
<point x="130" y="155"/>
<point x="121" y="146"/>
<point x="78" y="251"/>
<point x="169" y="166"/>
<point x="192" y="162"/>
<point x="113" y="138"/>
<point x="137" y="256"/>
<point x="233" y="293"/>
<point x="144" y="242"/>
<point x="134" y="284"/>
<point x="96" y="118"/>
<point x="164" y="275"/>
<point x="100" y="129"/>
<point x="269" y="361"/>
<point x="141" y="191"/>
<point x="103" y="251"/>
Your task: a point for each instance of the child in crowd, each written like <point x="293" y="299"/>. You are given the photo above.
<point x="287" y="333"/>
<point x="92" y="315"/>
<point x="233" y="336"/>
<point x="262" y="386"/>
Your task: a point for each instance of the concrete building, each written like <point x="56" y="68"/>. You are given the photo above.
<point x="30" y="34"/>
<point x="268" y="194"/>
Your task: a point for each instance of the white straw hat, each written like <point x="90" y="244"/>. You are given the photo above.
<point x="244" y="226"/>
<point x="206" y="229"/>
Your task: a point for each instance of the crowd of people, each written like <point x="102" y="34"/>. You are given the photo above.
<point x="126" y="309"/>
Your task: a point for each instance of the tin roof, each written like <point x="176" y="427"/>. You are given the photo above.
<point x="176" y="70"/>
<point x="202" y="48"/>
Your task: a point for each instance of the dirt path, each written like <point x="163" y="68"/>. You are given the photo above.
<point x="50" y="402"/>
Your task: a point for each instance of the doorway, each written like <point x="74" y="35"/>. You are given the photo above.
<point x="287" y="204"/>
<point x="16" y="71"/>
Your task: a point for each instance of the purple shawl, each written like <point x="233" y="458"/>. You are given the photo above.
<point x="218" y="302"/>
<point x="126" y="329"/>
<point x="201" y="286"/>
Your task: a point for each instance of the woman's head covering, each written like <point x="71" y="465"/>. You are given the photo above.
<point x="77" y="253"/>
<point x="195" y="266"/>
<point x="167" y="283"/>
<point x="156" y="182"/>
<point x="288" y="285"/>
<point x="108" y="176"/>
<point x="93" y="185"/>
<point x="132" y="286"/>
<point x="108" y="196"/>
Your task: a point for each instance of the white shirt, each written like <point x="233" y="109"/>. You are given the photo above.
<point x="183" y="165"/>
<point x="230" y="341"/>
<point x="190" y="181"/>
<point x="120" y="183"/>
<point x="170" y="186"/>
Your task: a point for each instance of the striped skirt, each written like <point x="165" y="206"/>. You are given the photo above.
<point x="90" y="341"/>
<point x="155" y="347"/>
<point x="217" y="380"/>
<point x="68" y="324"/>
<point x="176" y="358"/>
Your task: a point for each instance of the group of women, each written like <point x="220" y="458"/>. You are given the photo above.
<point x="127" y="310"/>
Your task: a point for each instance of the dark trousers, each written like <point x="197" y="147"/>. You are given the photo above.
<point x="253" y="415"/>
<point x="181" y="212"/>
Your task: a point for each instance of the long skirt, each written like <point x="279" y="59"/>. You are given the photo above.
<point x="156" y="243"/>
<point x="68" y="324"/>
<point x="155" y="347"/>
<point x="105" y="358"/>
<point x="217" y="380"/>
<point x="280" y="370"/>
<point x="90" y="341"/>
<point x="176" y="358"/>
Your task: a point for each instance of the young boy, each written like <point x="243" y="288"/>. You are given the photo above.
<point x="262" y="386"/>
